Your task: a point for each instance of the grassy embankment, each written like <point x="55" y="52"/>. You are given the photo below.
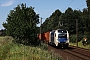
<point x="11" y="51"/>
<point x="81" y="45"/>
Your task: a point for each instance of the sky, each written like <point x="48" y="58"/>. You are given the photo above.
<point x="44" y="8"/>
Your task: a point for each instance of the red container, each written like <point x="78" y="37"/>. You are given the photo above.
<point x="44" y="37"/>
<point x="47" y="36"/>
<point x="41" y="36"/>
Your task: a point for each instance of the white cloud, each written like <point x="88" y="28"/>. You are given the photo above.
<point x="8" y="3"/>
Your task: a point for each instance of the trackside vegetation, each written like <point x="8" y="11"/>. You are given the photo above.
<point x="14" y="51"/>
<point x="81" y="45"/>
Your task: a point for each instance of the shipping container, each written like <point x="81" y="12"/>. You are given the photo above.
<point x="47" y="37"/>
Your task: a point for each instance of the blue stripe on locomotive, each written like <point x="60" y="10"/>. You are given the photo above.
<point x="62" y="39"/>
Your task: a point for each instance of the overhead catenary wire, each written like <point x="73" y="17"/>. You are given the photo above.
<point x="69" y="4"/>
<point x="80" y="6"/>
<point x="65" y="9"/>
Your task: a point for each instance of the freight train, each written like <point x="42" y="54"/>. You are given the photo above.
<point x="59" y="37"/>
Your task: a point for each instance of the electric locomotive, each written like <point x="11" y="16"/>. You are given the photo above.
<point x="59" y="37"/>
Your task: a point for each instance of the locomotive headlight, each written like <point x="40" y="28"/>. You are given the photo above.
<point x="67" y="41"/>
<point x="57" y="40"/>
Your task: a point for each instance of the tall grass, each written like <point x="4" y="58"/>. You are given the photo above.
<point x="5" y="45"/>
<point x="11" y="51"/>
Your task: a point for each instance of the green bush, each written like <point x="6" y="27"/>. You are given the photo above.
<point x="73" y="38"/>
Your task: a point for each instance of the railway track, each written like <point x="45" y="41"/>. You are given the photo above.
<point x="72" y="53"/>
<point x="82" y="51"/>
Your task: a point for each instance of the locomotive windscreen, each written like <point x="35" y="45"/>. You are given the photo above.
<point x="62" y="34"/>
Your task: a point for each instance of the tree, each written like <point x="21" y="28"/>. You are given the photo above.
<point x="85" y="20"/>
<point x="88" y="5"/>
<point x="21" y="24"/>
<point x="88" y="32"/>
<point x="52" y="22"/>
<point x="2" y="32"/>
<point x="55" y="17"/>
<point x="78" y="16"/>
<point x="69" y="21"/>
